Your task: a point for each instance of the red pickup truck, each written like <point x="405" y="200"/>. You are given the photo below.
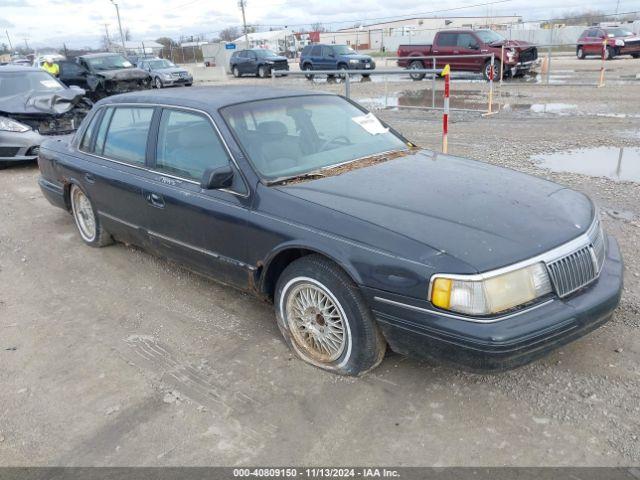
<point x="518" y="58"/>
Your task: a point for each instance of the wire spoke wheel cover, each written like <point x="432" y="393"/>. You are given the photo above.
<point x="317" y="322"/>
<point x="83" y="214"/>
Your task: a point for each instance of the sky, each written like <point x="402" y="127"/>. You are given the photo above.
<point x="81" y="23"/>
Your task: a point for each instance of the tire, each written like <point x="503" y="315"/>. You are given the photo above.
<point x="416" y="64"/>
<point x="314" y="280"/>
<point x="236" y="72"/>
<point x="580" y="53"/>
<point x="307" y="68"/>
<point x="496" y="74"/>
<point x="188" y="84"/>
<point x="342" y="68"/>
<point x="262" y="71"/>
<point x="635" y="55"/>
<point x="610" y="53"/>
<point x="157" y="83"/>
<point x="84" y="215"/>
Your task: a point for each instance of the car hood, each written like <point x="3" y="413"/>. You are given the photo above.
<point x="517" y="44"/>
<point x="39" y="103"/>
<point x="170" y="70"/>
<point x="485" y="216"/>
<point x="123" y="74"/>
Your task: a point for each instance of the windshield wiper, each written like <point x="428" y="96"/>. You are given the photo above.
<point x="302" y="176"/>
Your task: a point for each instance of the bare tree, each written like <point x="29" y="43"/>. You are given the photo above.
<point x="229" y="34"/>
<point x="127" y="34"/>
<point x="318" y="27"/>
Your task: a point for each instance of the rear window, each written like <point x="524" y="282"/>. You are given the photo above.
<point x="126" y="137"/>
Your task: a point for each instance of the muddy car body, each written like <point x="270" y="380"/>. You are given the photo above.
<point x="104" y="74"/>
<point x="359" y="237"/>
<point x="608" y="41"/>
<point x="34" y="106"/>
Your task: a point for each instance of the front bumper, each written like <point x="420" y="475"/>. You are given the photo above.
<point x="19" y="146"/>
<point x="362" y="66"/>
<point x="629" y="49"/>
<point x="424" y="332"/>
<point x="525" y="66"/>
<point x="174" y="81"/>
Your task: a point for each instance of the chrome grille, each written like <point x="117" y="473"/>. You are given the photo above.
<point x="579" y="268"/>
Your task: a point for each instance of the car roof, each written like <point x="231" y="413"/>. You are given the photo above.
<point x="210" y="98"/>
<point x="18" y="68"/>
<point x="96" y="55"/>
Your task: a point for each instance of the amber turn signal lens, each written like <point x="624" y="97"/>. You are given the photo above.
<point x="441" y="292"/>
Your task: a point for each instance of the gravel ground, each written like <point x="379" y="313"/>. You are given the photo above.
<point x="115" y="357"/>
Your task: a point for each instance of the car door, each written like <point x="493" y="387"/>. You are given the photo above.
<point x="594" y="41"/>
<point x="117" y="171"/>
<point x="205" y="229"/>
<point x="328" y="59"/>
<point x="73" y="74"/>
<point x="446" y="43"/>
<point x="252" y="62"/>
<point x="468" y="44"/>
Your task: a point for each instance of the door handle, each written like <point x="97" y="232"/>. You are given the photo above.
<point x="89" y="178"/>
<point x="154" y="199"/>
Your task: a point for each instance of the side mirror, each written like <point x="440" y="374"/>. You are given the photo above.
<point x="474" y="46"/>
<point x="216" y="178"/>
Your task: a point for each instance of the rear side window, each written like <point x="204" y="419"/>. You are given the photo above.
<point x="126" y="137"/>
<point x="316" y="51"/>
<point x="89" y="134"/>
<point x="188" y="145"/>
<point x="448" y="39"/>
<point x="306" y="50"/>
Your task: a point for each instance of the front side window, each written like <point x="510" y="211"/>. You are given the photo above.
<point x="126" y="137"/>
<point x="291" y="136"/>
<point x="343" y="50"/>
<point x="188" y="145"/>
<point x="466" y="40"/>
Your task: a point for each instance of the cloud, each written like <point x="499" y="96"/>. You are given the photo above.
<point x="6" y="23"/>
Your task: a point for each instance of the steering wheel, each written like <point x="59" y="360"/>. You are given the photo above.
<point x="335" y="139"/>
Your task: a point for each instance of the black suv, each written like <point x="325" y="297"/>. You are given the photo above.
<point x="257" y="61"/>
<point x="334" y="57"/>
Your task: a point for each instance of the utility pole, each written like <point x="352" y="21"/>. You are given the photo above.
<point x="242" y="4"/>
<point x="9" y="38"/>
<point x="106" y="32"/>
<point x="124" y="50"/>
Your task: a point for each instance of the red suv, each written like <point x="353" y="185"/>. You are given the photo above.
<point x="620" y="41"/>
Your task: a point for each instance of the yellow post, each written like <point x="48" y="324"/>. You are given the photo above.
<point x="604" y="53"/>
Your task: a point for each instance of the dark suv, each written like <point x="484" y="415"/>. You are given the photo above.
<point x="257" y="61"/>
<point x="334" y="57"/>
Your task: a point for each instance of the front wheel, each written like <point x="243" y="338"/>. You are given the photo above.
<point x="263" y="72"/>
<point x="487" y="69"/>
<point x="325" y="319"/>
<point x="635" y="55"/>
<point x="416" y="65"/>
<point x="236" y="72"/>
<point x="87" y="222"/>
<point x="158" y="83"/>
<point x="307" y="68"/>
<point x="610" y="53"/>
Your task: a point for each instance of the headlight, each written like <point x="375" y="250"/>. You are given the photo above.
<point x="166" y="76"/>
<point x="353" y="60"/>
<point x="511" y="54"/>
<point x="269" y="62"/>
<point x="491" y="294"/>
<point x="619" y="42"/>
<point x="9" y="125"/>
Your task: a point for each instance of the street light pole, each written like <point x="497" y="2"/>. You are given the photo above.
<point x="124" y="50"/>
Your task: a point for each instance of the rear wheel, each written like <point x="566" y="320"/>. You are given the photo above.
<point x="580" y="53"/>
<point x="307" y="68"/>
<point x="325" y="319"/>
<point x="87" y="222"/>
<point x="416" y="65"/>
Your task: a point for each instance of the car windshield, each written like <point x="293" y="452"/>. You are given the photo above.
<point x="344" y="50"/>
<point x="16" y="83"/>
<point x="109" y="62"/>
<point x="489" y="36"/>
<point x="293" y="136"/>
<point x="157" y="64"/>
<point x="618" y="32"/>
<point x="262" y="53"/>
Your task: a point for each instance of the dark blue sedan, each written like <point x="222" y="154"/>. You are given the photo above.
<point x="360" y="238"/>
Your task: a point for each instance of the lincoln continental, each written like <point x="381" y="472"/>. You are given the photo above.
<point x="362" y="240"/>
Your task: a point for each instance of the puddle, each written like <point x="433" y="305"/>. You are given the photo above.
<point x="557" y="108"/>
<point x="423" y="98"/>
<point x="620" y="164"/>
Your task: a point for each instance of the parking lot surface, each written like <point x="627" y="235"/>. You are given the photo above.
<point x="114" y="357"/>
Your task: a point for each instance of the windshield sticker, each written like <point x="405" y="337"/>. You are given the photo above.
<point x="370" y="123"/>
<point x="127" y="64"/>
<point x="50" y="83"/>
